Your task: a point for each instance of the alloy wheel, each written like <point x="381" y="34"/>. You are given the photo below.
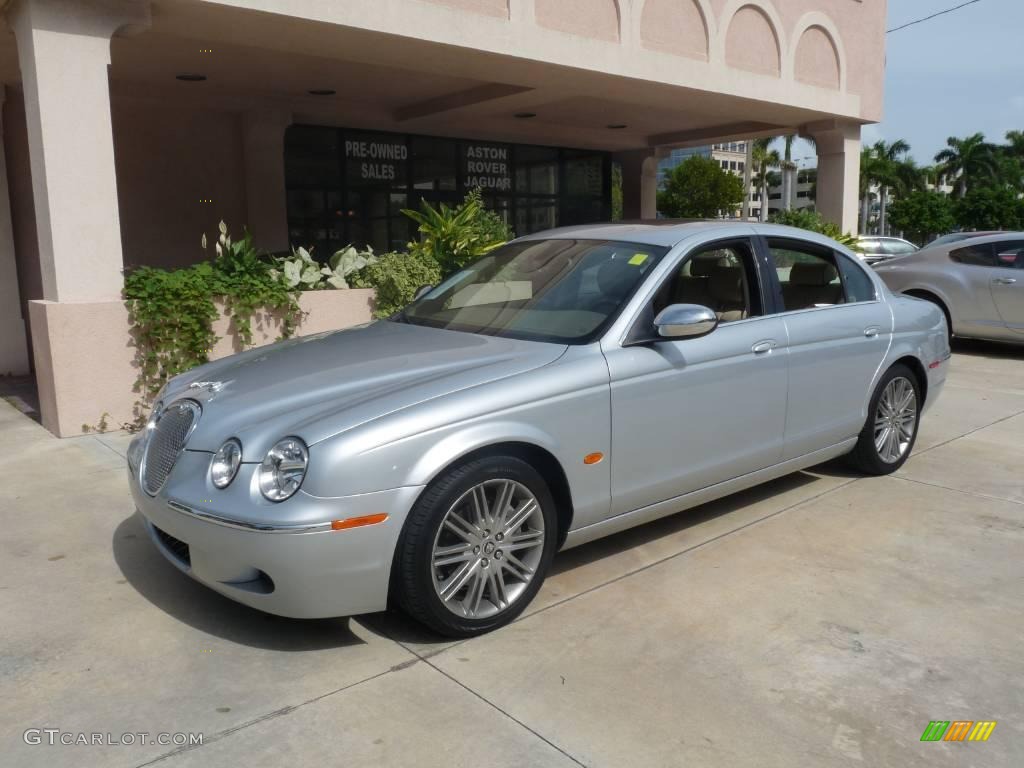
<point x="895" y="420"/>
<point x="487" y="548"/>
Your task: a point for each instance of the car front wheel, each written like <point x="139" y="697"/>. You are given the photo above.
<point x="891" y="427"/>
<point x="476" y="546"/>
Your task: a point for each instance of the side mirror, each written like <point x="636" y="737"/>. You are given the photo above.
<point x="685" y="321"/>
<point x="421" y="291"/>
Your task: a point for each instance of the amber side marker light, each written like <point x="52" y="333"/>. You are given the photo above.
<point x="593" y="458"/>
<point x="358" y="522"/>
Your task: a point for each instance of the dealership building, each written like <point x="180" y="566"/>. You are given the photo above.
<point x="131" y="127"/>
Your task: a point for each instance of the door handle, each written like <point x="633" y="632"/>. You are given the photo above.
<point x="871" y="332"/>
<point x="763" y="346"/>
<point x="1004" y="280"/>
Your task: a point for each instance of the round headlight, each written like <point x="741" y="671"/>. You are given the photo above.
<point x="283" y="469"/>
<point x="224" y="465"/>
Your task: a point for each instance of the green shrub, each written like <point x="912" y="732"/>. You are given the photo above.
<point x="457" y="236"/>
<point x="805" y="218"/>
<point x="396" y="277"/>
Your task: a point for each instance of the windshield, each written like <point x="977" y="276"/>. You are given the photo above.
<point x="564" y="291"/>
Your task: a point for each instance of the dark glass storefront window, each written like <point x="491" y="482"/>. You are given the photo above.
<point x="346" y="186"/>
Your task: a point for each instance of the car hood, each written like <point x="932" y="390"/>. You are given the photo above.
<point x="318" y="386"/>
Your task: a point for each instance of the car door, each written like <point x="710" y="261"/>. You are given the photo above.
<point x="839" y="332"/>
<point x="690" y="413"/>
<point x="987" y="287"/>
<point x="1007" y="283"/>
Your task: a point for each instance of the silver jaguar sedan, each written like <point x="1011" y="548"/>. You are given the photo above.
<point x="566" y="386"/>
<point x="978" y="282"/>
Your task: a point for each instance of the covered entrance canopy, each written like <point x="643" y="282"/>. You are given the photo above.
<point x="131" y="127"/>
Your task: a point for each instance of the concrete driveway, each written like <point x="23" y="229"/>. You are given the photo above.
<point x="823" y="619"/>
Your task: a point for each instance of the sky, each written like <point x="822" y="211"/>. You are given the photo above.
<point x="953" y="75"/>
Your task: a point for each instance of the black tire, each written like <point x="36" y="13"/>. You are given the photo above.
<point x="866" y="456"/>
<point x="414" y="569"/>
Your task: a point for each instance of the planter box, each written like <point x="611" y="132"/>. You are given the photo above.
<point x="85" y="355"/>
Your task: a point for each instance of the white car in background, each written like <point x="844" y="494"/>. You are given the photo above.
<point x="978" y="282"/>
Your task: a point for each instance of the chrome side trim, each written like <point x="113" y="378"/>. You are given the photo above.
<point x="209" y="517"/>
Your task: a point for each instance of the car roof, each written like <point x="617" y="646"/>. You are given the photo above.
<point x="670" y="232"/>
<point x="980" y="237"/>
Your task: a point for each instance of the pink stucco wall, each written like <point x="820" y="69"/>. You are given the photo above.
<point x="486" y="7"/>
<point x="817" y="61"/>
<point x="861" y="27"/>
<point x="751" y="43"/>
<point x="598" y="19"/>
<point x="674" y="26"/>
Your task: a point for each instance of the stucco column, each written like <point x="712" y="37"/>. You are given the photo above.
<point x="13" y="346"/>
<point x="263" y="146"/>
<point x="838" y="146"/>
<point x="64" y="52"/>
<point x="639" y="183"/>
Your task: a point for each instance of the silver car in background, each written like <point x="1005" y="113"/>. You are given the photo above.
<point x="978" y="282"/>
<point x="876" y="248"/>
<point x="568" y="385"/>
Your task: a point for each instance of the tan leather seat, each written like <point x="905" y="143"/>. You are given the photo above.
<point x="694" y="288"/>
<point x="726" y="289"/>
<point x="811" y="284"/>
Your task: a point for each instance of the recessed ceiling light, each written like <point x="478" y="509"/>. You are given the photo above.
<point x="617" y="126"/>
<point x="322" y="92"/>
<point x="191" y="77"/>
<point x="525" y="115"/>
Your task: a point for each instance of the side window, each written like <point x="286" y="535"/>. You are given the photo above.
<point x="976" y="255"/>
<point x="870" y="246"/>
<point x="1010" y="253"/>
<point x="722" y="277"/>
<point x="807" y="274"/>
<point x="896" y="248"/>
<point x="857" y="286"/>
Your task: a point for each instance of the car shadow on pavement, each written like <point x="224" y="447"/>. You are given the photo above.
<point x="989" y="349"/>
<point x="679" y="521"/>
<point x="200" y="607"/>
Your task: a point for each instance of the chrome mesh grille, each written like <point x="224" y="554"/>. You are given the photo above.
<point x="166" y="442"/>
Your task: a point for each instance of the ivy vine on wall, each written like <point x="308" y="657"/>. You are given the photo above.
<point x="172" y="311"/>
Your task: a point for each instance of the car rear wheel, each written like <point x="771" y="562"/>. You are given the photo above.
<point x="476" y="546"/>
<point x="890" y="430"/>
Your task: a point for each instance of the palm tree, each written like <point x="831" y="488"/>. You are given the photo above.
<point x="788" y="172"/>
<point x="892" y="169"/>
<point x="764" y="161"/>
<point x="969" y="158"/>
<point x="1015" y="139"/>
<point x="868" y="178"/>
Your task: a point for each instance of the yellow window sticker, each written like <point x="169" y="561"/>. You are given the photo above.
<point x="638" y="259"/>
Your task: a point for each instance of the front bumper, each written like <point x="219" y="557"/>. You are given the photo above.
<point x="298" y="568"/>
